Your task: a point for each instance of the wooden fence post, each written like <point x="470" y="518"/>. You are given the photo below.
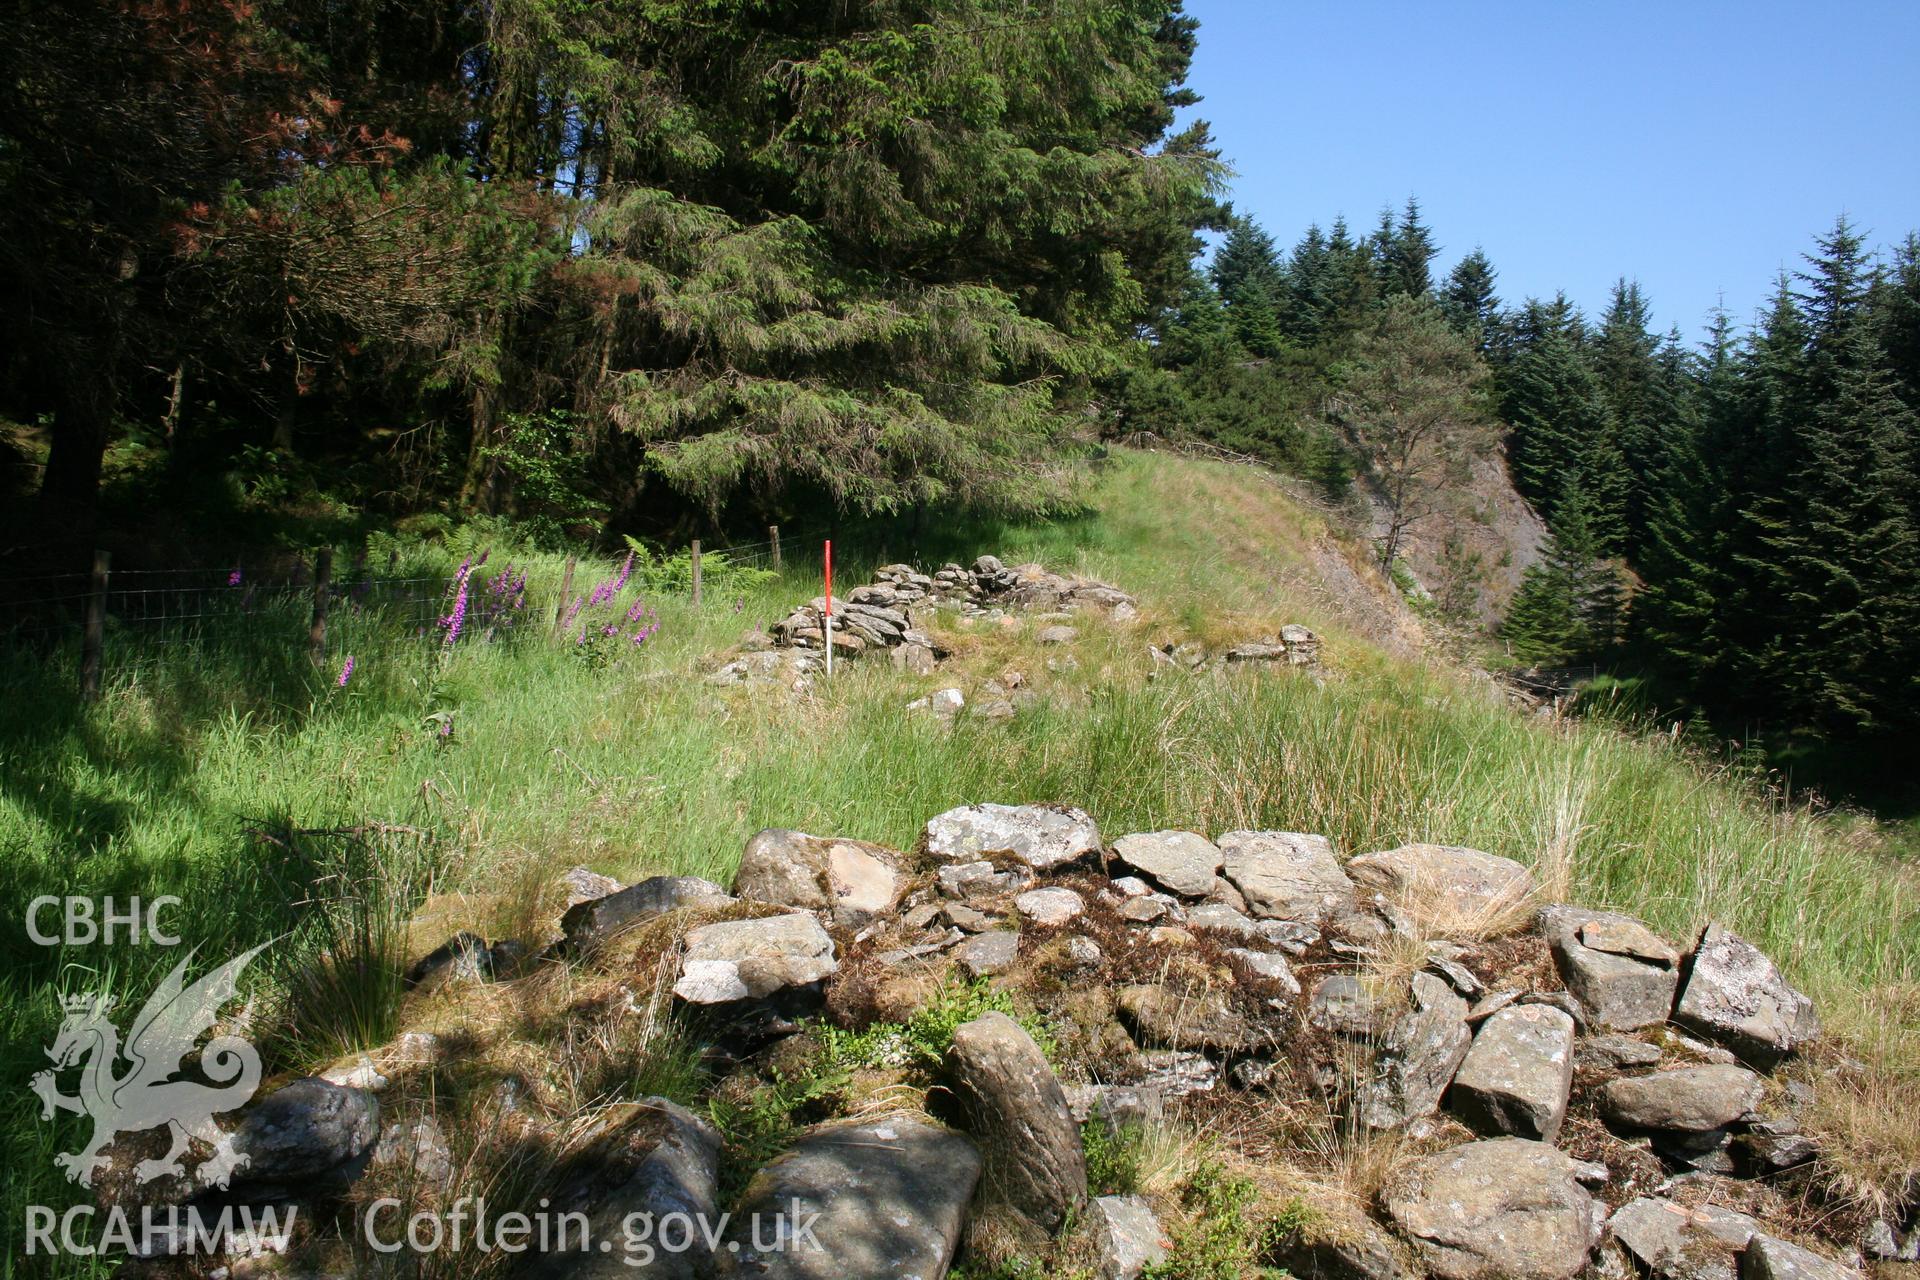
<point x="773" y="539"/>
<point x="696" y="573"/>
<point x="566" y="594"/>
<point x="322" y="585"/>
<point x="93" y="635"/>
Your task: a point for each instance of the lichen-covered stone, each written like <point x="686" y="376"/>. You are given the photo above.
<point x="750" y="959"/>
<point x="1182" y="862"/>
<point x="1039" y="836"/>
<point x="1493" y="1210"/>
<point x="1684" y="1100"/>
<point x="1626" y="981"/>
<point x="1517" y="1073"/>
<point x="1018" y="1113"/>
<point x="890" y="1193"/>
<point x="1735" y="995"/>
<point x="850" y="879"/>
<point x="1418" y="1057"/>
<point x="1286" y="875"/>
<point x="1445" y="884"/>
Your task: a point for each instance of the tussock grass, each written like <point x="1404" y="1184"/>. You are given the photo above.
<point x="637" y="768"/>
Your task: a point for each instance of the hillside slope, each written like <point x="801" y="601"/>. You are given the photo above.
<point x="233" y="780"/>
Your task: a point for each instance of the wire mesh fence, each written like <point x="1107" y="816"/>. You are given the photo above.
<point x="112" y="622"/>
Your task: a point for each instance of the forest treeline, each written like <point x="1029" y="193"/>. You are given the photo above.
<point x="632" y="267"/>
<point x="591" y="263"/>
<point x="1737" y="516"/>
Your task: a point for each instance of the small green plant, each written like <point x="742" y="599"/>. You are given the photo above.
<point x="672" y="572"/>
<point x="923" y="1039"/>
<point x="758" y="1127"/>
<point x="1113" y="1157"/>
<point x="1222" y="1239"/>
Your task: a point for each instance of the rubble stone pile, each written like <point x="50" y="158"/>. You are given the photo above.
<point x="1575" y="1094"/>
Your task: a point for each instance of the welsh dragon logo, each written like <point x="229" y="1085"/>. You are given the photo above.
<point x="145" y="1095"/>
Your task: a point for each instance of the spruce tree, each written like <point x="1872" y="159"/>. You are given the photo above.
<point x="1249" y="277"/>
<point x="1469" y="302"/>
<point x="1556" y="419"/>
<point x="1410" y="251"/>
<point x="1631" y="382"/>
<point x="1837" y="547"/>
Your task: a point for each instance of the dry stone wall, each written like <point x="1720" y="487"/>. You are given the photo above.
<point x="1420" y="991"/>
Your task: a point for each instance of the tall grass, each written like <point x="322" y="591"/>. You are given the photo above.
<point x="636" y="767"/>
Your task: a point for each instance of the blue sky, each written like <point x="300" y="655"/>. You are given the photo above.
<point x="1697" y="147"/>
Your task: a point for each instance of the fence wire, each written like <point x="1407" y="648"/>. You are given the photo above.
<point x="149" y="613"/>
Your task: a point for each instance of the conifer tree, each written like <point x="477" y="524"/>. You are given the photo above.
<point x="1638" y="402"/>
<point x="1469" y="302"/>
<point x="1556" y="419"/>
<point x="1250" y="280"/>
<point x="1409" y="254"/>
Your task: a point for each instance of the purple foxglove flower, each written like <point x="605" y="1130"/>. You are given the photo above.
<point x="456" y="620"/>
<point x="346" y="673"/>
<point x="233" y="579"/>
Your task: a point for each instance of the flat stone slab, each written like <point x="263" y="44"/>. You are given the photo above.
<point x="989" y="953"/>
<point x="750" y="959"/>
<point x="1037" y="835"/>
<point x="1128" y="1236"/>
<point x="1770" y="1259"/>
<point x="652" y="898"/>
<point x="1672" y="1240"/>
<point x="1286" y="875"/>
<point x="1157" y="1017"/>
<point x="1495" y="1209"/>
<point x="1736" y="996"/>
<point x="1624" y="936"/>
<point x="1684" y="1100"/>
<point x="1268" y="965"/>
<point x="1182" y="862"/>
<point x="890" y="1193"/>
<point x="1516" y="1076"/>
<point x="1445" y="884"/>
<point x="1625" y="982"/>
<point x="852" y="880"/>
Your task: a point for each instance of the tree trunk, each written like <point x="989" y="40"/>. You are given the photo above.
<point x="82" y="421"/>
<point x="478" y="484"/>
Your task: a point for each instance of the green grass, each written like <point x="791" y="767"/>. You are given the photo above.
<point x="637" y="767"/>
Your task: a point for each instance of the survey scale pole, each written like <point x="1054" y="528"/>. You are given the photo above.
<point x="829" y="631"/>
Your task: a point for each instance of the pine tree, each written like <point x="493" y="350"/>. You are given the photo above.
<point x="1683" y="557"/>
<point x="1570" y="604"/>
<point x="1469" y="302"/>
<point x="1351" y="286"/>
<point x="1556" y="419"/>
<point x="1539" y="628"/>
<point x="1249" y="277"/>
<point x="1896" y="308"/>
<point x="1409" y="254"/>
<point x="1303" y="312"/>
<point x="1246" y="262"/>
<point x="1196" y="329"/>
<point x="1838" y="547"/>
<point x="1638" y="402"/>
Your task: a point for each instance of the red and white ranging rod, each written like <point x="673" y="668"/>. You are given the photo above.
<point x="829" y="631"/>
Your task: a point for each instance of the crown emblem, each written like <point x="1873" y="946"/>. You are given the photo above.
<point x="82" y="1003"/>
